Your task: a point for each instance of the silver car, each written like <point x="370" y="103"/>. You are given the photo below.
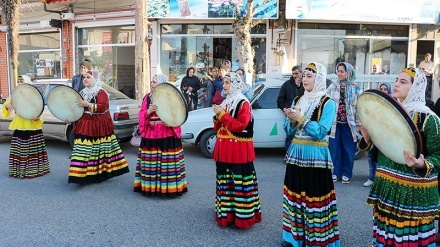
<point x="124" y="112"/>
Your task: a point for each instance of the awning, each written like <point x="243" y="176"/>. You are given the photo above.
<point x="54" y="1"/>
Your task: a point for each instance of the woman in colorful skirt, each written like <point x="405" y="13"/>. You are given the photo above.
<point x="309" y="194"/>
<point x="28" y="156"/>
<point x="96" y="154"/>
<point x="237" y="202"/>
<point x="404" y="198"/>
<point x="160" y="167"/>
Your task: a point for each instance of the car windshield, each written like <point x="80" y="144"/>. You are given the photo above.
<point x="257" y="90"/>
<point x="113" y="93"/>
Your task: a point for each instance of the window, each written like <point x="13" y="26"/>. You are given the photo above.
<point x="267" y="100"/>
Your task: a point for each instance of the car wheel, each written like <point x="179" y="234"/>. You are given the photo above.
<point x="359" y="154"/>
<point x="207" y="142"/>
<point x="70" y="137"/>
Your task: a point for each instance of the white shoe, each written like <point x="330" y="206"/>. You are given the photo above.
<point x="345" y="180"/>
<point x="334" y="178"/>
<point x="368" y="183"/>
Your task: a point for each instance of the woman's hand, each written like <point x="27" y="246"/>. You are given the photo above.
<point x="83" y="103"/>
<point x="190" y="89"/>
<point x="293" y="114"/>
<point x="412" y="162"/>
<point x="365" y="134"/>
<point x="217" y="109"/>
<point x="152" y="109"/>
<point x="10" y="107"/>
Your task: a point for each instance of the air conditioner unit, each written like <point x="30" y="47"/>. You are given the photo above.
<point x="45" y="24"/>
<point x="67" y="16"/>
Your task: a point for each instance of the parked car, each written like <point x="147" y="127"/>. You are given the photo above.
<point x="124" y="112"/>
<point x="268" y="122"/>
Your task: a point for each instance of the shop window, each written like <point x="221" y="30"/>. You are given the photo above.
<point x="40" y="64"/>
<point x="39" y="41"/>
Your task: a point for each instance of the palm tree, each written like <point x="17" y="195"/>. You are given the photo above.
<point x="11" y="9"/>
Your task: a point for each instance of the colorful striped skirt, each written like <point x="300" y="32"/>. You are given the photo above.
<point x="160" y="168"/>
<point x="237" y="201"/>
<point x="390" y="230"/>
<point x="28" y="155"/>
<point x="310" y="215"/>
<point x="96" y="159"/>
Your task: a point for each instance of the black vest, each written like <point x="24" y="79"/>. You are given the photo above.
<point x="249" y="130"/>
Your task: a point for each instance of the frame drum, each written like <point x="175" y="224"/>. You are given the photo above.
<point x="27" y="101"/>
<point x="390" y="127"/>
<point x="61" y="102"/>
<point x="171" y="105"/>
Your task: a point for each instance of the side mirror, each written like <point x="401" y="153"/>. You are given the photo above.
<point x="255" y="105"/>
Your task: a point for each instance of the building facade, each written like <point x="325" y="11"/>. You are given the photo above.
<point x="55" y="37"/>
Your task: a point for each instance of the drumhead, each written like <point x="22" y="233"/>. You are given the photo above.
<point x="61" y="102"/>
<point x="171" y="105"/>
<point x="390" y="127"/>
<point x="27" y="101"/>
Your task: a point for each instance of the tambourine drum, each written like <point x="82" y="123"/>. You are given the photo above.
<point x="389" y="126"/>
<point x="62" y="103"/>
<point x="171" y="105"/>
<point x="27" y="101"/>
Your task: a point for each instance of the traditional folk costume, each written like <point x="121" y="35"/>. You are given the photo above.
<point x="237" y="201"/>
<point x="344" y="133"/>
<point x="96" y="154"/>
<point x="160" y="167"/>
<point x="405" y="201"/>
<point x="310" y="216"/>
<point x="28" y="155"/>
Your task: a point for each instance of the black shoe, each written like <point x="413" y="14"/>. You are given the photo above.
<point x="286" y="244"/>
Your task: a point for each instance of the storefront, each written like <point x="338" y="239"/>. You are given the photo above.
<point x="204" y="46"/>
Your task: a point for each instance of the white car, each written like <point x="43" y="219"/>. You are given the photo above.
<point x="268" y="122"/>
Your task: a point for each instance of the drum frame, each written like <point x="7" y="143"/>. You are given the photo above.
<point x="179" y="93"/>
<point x="396" y="105"/>
<point x="36" y="89"/>
<point x="66" y="86"/>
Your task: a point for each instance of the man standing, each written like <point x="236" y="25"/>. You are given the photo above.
<point x="289" y="91"/>
<point x="427" y="66"/>
<point x="77" y="83"/>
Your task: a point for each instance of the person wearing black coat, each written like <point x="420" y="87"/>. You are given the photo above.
<point x="77" y="80"/>
<point x="193" y="84"/>
<point x="289" y="91"/>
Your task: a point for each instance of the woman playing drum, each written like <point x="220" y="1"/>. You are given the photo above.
<point x="404" y="197"/>
<point x="96" y="154"/>
<point x="28" y="155"/>
<point x="160" y="167"/>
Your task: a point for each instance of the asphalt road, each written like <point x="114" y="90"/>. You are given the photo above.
<point x="47" y="211"/>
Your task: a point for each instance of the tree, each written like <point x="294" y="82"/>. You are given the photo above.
<point x="11" y="9"/>
<point x="242" y="32"/>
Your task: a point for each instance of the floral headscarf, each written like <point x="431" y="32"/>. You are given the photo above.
<point x="415" y="100"/>
<point x="310" y="100"/>
<point x="159" y="78"/>
<point x="235" y="94"/>
<point x="351" y="73"/>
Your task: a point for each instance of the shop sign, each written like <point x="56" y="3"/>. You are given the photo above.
<point x="389" y="11"/>
<point x="204" y="9"/>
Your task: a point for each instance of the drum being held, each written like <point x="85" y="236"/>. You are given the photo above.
<point x="62" y="103"/>
<point x="170" y="105"/>
<point x="389" y="125"/>
<point x="27" y="101"/>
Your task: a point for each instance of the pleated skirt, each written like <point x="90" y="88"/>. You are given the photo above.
<point x="391" y="230"/>
<point x="310" y="215"/>
<point x="96" y="159"/>
<point x="160" y="168"/>
<point x="237" y="202"/>
<point x="28" y="155"/>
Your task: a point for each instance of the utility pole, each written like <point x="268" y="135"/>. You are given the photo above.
<point x="142" y="61"/>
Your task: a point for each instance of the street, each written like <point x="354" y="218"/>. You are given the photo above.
<point x="47" y="211"/>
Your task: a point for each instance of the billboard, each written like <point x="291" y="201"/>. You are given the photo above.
<point x="204" y="9"/>
<point x="388" y="11"/>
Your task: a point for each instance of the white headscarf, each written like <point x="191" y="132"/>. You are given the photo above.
<point x="89" y="93"/>
<point x="159" y="78"/>
<point x="310" y="100"/>
<point x="235" y="94"/>
<point x="415" y="100"/>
